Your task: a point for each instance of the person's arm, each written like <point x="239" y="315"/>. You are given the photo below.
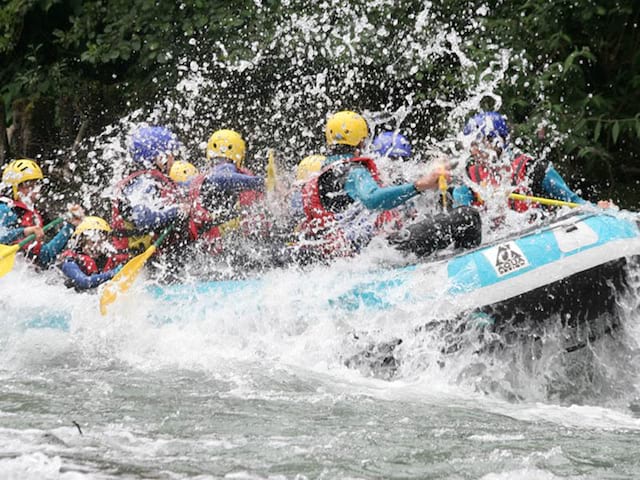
<point x="148" y="211"/>
<point x="9" y="229"/>
<point x="360" y="185"/>
<point x="227" y="178"/>
<point x="462" y="196"/>
<point x="555" y="186"/>
<point x="147" y="219"/>
<point x="80" y="280"/>
<point x="52" y="249"/>
<point x="296" y="206"/>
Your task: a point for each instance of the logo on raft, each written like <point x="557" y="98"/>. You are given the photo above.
<point x="506" y="258"/>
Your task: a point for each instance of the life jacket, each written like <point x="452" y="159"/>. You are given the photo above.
<point x="89" y="265"/>
<point x="27" y="217"/>
<point x="203" y="224"/>
<point x="518" y="178"/>
<point x="323" y="197"/>
<point x="126" y="237"/>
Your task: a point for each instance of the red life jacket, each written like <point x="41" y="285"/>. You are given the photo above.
<point x="202" y="224"/>
<point x="125" y="235"/>
<point x="317" y="215"/>
<point x="518" y="173"/>
<point x="27" y="217"/>
<point x="89" y="266"/>
<point x="320" y="219"/>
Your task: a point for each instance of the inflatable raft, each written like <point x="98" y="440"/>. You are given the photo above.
<point x="570" y="268"/>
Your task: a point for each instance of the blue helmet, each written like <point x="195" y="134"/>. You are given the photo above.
<point x="147" y="143"/>
<point x="392" y="144"/>
<point x="489" y="125"/>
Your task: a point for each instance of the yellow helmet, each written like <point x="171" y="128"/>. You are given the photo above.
<point x="308" y="166"/>
<point x="228" y="144"/>
<point x="20" y="171"/>
<point x="182" y="172"/>
<point x="92" y="223"/>
<point x="346" y="128"/>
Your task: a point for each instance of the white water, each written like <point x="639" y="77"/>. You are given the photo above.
<point x="258" y="389"/>
<point x="256" y="386"/>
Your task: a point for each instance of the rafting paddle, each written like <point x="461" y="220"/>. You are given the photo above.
<point x="270" y="182"/>
<point x="543" y="201"/>
<point x="8" y="252"/>
<point x="442" y="185"/>
<point x="122" y="280"/>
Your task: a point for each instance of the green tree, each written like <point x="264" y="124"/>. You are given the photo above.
<point x="580" y="64"/>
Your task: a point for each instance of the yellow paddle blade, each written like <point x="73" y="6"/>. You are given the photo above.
<point x="442" y="185"/>
<point x="229" y="226"/>
<point x="123" y="280"/>
<point x="7" y="258"/>
<point x="543" y="201"/>
<point x="270" y="182"/>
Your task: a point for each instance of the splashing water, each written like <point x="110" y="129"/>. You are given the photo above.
<point x="253" y="384"/>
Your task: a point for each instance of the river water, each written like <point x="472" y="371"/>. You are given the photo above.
<point x="259" y="389"/>
<point x="255" y="386"/>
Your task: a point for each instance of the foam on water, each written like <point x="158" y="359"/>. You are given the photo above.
<point x="233" y="382"/>
<point x="288" y="320"/>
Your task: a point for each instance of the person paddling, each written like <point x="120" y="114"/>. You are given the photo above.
<point x="92" y="259"/>
<point x="308" y="168"/>
<point x="346" y="204"/>
<point x="19" y="216"/>
<point x="493" y="163"/>
<point x="147" y="201"/>
<point x="221" y="195"/>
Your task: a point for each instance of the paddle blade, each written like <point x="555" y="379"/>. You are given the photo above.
<point x="7" y="258"/>
<point x="270" y="182"/>
<point x="442" y="185"/>
<point x="123" y="280"/>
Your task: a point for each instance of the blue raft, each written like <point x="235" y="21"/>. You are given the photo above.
<point x="574" y="266"/>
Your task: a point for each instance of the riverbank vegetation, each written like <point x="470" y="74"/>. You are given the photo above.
<point x="566" y="73"/>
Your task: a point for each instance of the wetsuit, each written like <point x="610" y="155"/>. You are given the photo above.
<point x="226" y="177"/>
<point x="346" y="181"/>
<point x="84" y="272"/>
<point x="218" y="198"/>
<point x="150" y="206"/>
<point x="145" y="202"/>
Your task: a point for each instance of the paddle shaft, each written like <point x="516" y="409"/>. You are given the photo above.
<point x="543" y="201"/>
<point x="270" y="183"/>
<point x="32" y="237"/>
<point x="163" y="235"/>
